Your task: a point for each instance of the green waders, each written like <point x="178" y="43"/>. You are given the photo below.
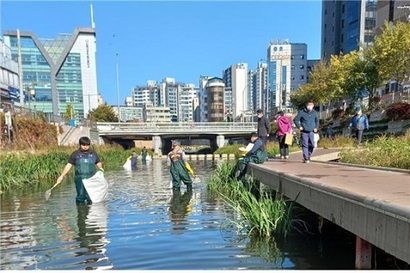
<point x="180" y="173"/>
<point x="85" y="168"/>
<point x="257" y="158"/>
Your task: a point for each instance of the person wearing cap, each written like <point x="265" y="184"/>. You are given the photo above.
<point x="179" y="168"/>
<point x="359" y="123"/>
<point x="256" y="155"/>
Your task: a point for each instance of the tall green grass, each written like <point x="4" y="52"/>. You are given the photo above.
<point x="260" y="213"/>
<point x="19" y="169"/>
<point x="383" y="151"/>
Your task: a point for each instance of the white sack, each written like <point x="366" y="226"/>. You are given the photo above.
<point x="127" y="164"/>
<point x="97" y="187"/>
<point x="315" y="139"/>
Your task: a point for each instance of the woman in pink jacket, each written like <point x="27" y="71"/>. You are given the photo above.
<point x="284" y="127"/>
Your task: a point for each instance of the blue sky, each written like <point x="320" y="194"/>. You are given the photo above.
<point x="177" y="39"/>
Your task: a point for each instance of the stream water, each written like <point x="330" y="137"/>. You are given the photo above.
<point x="144" y="225"/>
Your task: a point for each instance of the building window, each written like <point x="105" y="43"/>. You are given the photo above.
<point x="302" y="66"/>
<point x="343" y="8"/>
<point x="302" y="56"/>
<point x="302" y="77"/>
<point x="292" y="67"/>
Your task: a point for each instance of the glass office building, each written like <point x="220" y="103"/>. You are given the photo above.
<point x="57" y="72"/>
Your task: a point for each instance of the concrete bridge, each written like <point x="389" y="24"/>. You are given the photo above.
<point x="372" y="203"/>
<point x="162" y="134"/>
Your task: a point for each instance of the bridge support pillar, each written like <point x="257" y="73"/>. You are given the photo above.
<point x="157" y="144"/>
<point x="363" y="254"/>
<point x="220" y="141"/>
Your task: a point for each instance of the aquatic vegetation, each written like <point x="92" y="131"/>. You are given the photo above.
<point x="261" y="213"/>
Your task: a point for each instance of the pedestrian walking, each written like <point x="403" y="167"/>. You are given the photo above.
<point x="307" y="121"/>
<point x="284" y="127"/>
<point x="263" y="127"/>
<point x="359" y="123"/>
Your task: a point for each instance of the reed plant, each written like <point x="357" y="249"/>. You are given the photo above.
<point x="260" y="213"/>
<point x="383" y="151"/>
<point x="19" y="169"/>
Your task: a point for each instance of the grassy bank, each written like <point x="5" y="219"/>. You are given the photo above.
<point x="44" y="166"/>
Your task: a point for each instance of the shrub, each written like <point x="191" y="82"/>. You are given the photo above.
<point x="398" y="111"/>
<point x="337" y="113"/>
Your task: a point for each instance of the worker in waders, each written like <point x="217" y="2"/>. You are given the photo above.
<point x="85" y="162"/>
<point x="179" y="168"/>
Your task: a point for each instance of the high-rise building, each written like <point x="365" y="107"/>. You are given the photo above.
<point x="391" y="11"/>
<point x="9" y="78"/>
<point x="187" y="101"/>
<point x="287" y="70"/>
<point x="215" y="89"/>
<point x="259" y="93"/>
<point x="236" y="78"/>
<point x="60" y="71"/>
<point x="347" y="25"/>
<point x="144" y="95"/>
<point x="203" y="98"/>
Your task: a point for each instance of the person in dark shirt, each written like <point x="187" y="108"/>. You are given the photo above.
<point x="86" y="162"/>
<point x="307" y="121"/>
<point x="256" y="155"/>
<point x="263" y="127"/>
<point x="144" y="153"/>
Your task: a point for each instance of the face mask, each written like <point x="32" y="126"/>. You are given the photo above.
<point x="310" y="108"/>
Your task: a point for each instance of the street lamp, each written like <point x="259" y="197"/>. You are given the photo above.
<point x="33" y="96"/>
<point x="118" y="86"/>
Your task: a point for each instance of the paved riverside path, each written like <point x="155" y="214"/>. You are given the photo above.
<point x="372" y="203"/>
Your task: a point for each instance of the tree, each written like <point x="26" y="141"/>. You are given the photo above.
<point x="103" y="113"/>
<point x="371" y="79"/>
<point x="69" y="111"/>
<point x="391" y="52"/>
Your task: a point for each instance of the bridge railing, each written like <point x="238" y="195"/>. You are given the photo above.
<point x="177" y="126"/>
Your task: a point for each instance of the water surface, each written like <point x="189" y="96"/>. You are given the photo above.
<point x="145" y="225"/>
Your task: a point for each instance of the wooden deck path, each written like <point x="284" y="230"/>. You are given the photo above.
<point x="372" y="203"/>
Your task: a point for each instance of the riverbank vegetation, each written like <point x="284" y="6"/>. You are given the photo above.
<point x="272" y="149"/>
<point x="44" y="166"/>
<point x="261" y="213"/>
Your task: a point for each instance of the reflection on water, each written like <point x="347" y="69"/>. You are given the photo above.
<point x="179" y="207"/>
<point x="143" y="225"/>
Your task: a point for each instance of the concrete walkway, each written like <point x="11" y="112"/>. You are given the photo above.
<point x="373" y="203"/>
